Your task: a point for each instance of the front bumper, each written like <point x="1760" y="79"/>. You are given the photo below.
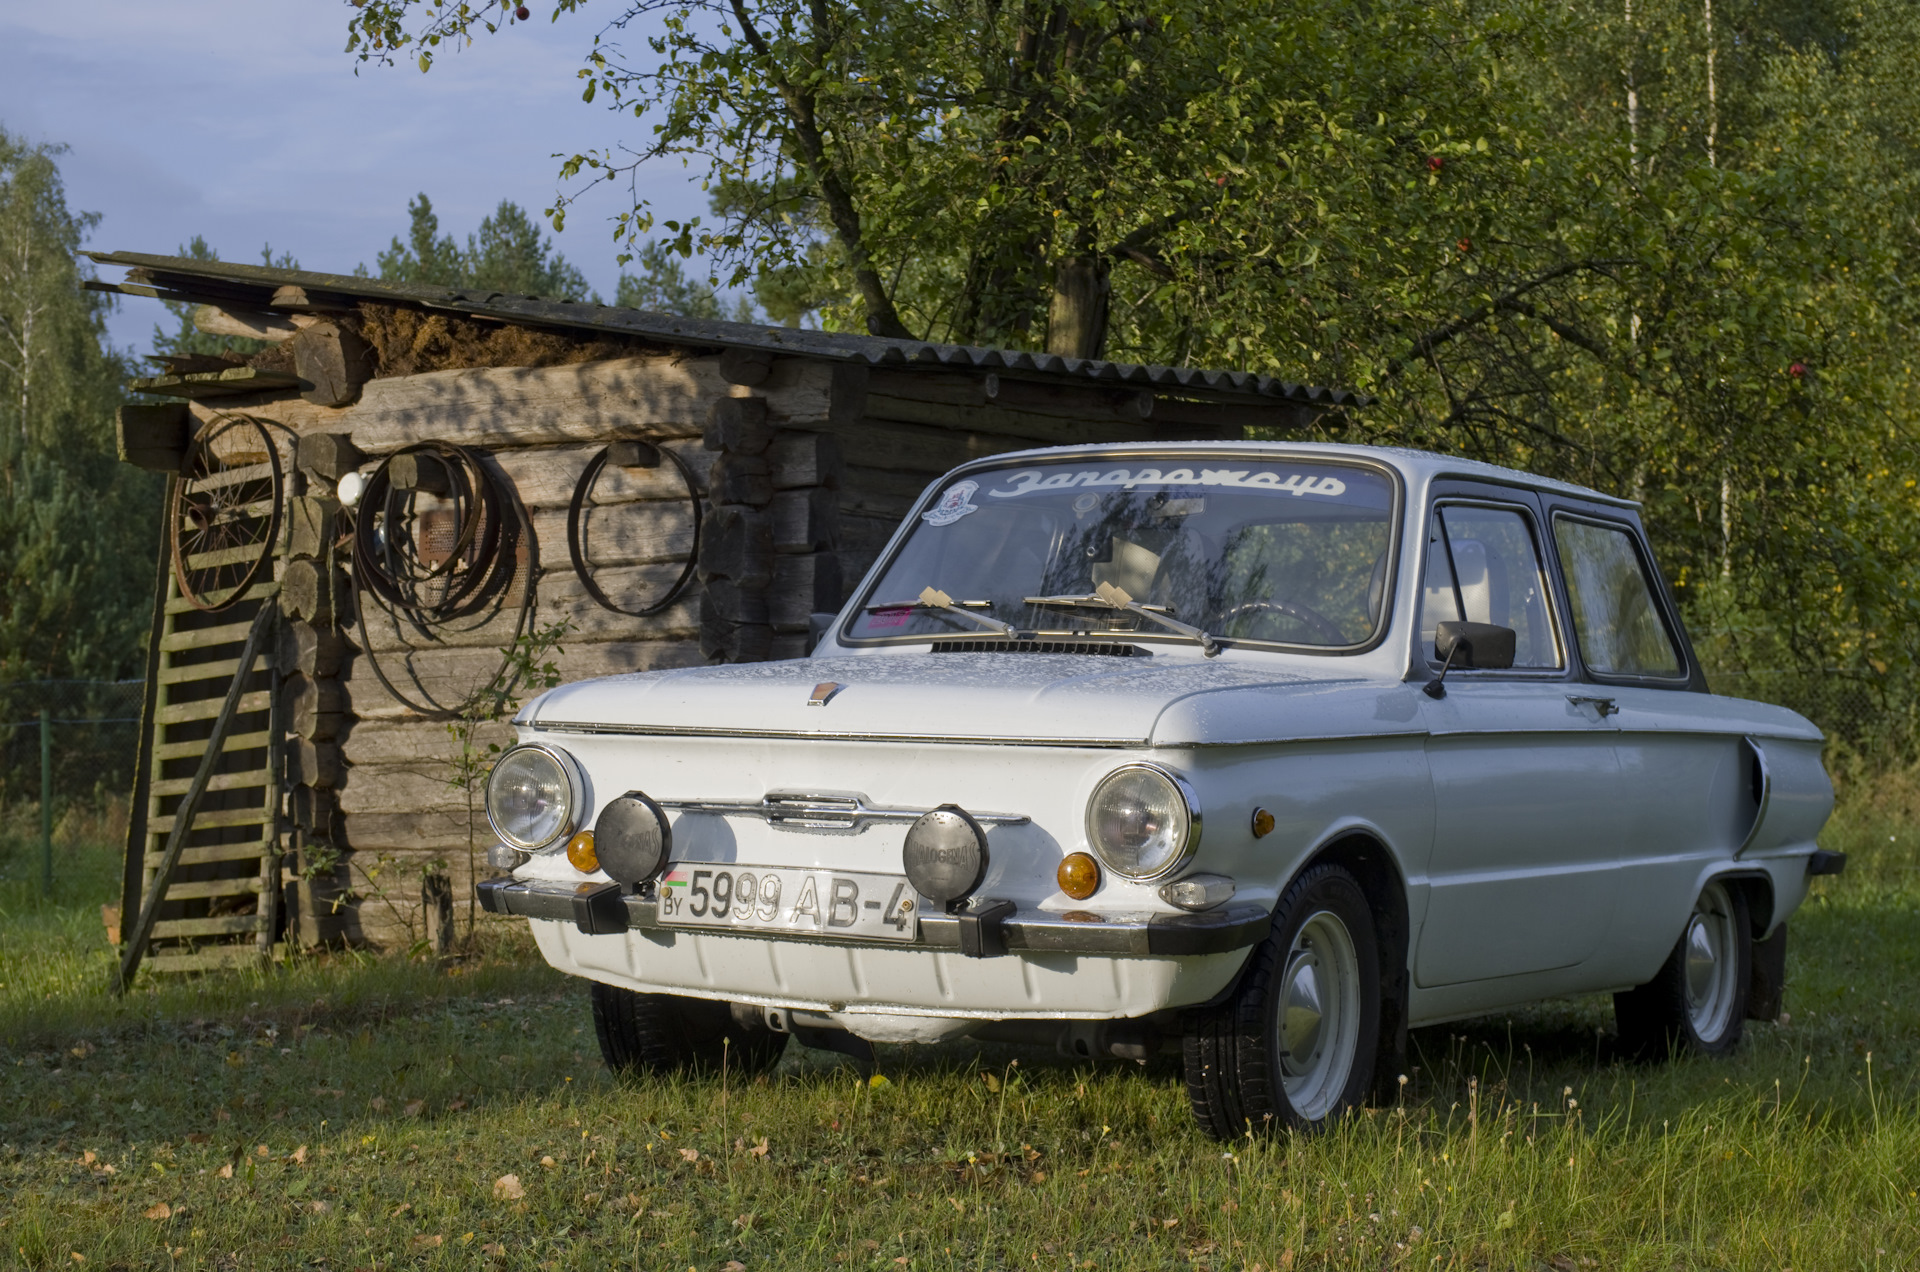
<point x="599" y="909"/>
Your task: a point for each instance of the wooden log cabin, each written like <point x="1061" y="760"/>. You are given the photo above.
<point x="424" y="502"/>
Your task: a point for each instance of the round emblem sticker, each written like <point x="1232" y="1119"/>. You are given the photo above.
<point x="956" y="503"/>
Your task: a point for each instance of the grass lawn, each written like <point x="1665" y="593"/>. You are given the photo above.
<point x="353" y="1113"/>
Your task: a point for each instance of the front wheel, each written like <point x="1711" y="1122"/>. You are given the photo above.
<point x="1294" y="1046"/>
<point x="662" y="1034"/>
<point x="1697" y="1001"/>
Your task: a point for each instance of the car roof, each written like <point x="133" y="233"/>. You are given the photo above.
<point x="1416" y="466"/>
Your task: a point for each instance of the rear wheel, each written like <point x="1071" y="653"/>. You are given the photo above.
<point x="666" y="1033"/>
<point x="1697" y="1001"/>
<point x="1294" y="1047"/>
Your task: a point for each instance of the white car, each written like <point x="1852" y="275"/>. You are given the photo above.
<point x="1263" y="752"/>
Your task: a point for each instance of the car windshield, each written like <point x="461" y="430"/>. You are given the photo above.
<point x="1283" y="551"/>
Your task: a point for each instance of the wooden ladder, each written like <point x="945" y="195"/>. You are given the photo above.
<point x="221" y="901"/>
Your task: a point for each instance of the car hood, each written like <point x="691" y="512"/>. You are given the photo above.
<point x="1058" y="699"/>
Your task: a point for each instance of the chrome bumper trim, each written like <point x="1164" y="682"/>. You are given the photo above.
<point x="847" y="812"/>
<point x="590" y="907"/>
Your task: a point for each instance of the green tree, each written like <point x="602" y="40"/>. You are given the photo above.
<point x="664" y="286"/>
<point x="508" y="253"/>
<point x="76" y="526"/>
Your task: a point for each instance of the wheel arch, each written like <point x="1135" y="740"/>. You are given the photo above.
<point x="1364" y="854"/>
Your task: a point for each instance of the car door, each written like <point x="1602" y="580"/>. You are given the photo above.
<point x="1686" y="767"/>
<point x="1527" y="807"/>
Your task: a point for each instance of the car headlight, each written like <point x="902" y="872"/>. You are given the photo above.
<point x="531" y="796"/>
<point x="1143" y="821"/>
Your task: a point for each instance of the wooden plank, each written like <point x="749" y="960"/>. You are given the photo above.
<point x="219" y="782"/>
<point x="623" y="534"/>
<point x="563" y="597"/>
<point x="656" y="396"/>
<point x="544" y="477"/>
<point x="450" y="675"/>
<point x="411" y="743"/>
<point x="208" y="708"/>
<point x="240" y="381"/>
<point x="204" y="889"/>
<point x="212" y="960"/>
<point x="227" y="556"/>
<point x="222" y="669"/>
<point x="235" y="476"/>
<point x="224" y="925"/>
<point x="258" y="592"/>
<point x="216" y="818"/>
<point x="205" y="637"/>
<point x="211" y="853"/>
<point x="232" y="743"/>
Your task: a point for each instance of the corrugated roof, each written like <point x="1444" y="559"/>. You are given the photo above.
<point x="252" y="286"/>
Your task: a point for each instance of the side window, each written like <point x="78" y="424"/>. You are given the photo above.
<point x="1482" y="567"/>
<point x="1615" y="617"/>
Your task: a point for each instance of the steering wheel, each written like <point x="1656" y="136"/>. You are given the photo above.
<point x="1319" y="622"/>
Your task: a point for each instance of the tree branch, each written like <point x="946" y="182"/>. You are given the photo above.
<point x="882" y="318"/>
<point x="1424" y="345"/>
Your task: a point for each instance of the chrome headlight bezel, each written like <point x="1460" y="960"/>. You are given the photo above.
<point x="1183" y="851"/>
<point x="576" y="796"/>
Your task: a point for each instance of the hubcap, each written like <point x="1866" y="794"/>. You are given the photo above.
<point x="1319" y="1010"/>
<point x="1711" y="964"/>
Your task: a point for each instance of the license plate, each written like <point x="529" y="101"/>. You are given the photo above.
<point x="796" y="902"/>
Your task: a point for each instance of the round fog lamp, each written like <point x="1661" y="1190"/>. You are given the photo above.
<point x="531" y="796"/>
<point x="633" y="838"/>
<point x="1078" y="875"/>
<point x="1143" y="821"/>
<point x="580" y="853"/>
<point x="945" y="854"/>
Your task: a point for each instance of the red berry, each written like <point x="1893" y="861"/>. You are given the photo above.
<point x="522" y="13"/>
<point x="1465" y="245"/>
<point x="1435" y="163"/>
<point x="1797" y="370"/>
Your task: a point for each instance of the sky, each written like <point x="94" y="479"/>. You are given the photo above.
<point x="244" y="121"/>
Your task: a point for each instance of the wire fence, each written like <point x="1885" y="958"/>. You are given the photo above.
<point x="88" y="731"/>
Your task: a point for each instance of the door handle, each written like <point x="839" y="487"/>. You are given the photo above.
<point x="1605" y="706"/>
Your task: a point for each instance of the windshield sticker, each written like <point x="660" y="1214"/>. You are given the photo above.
<point x="1031" y="480"/>
<point x="956" y="503"/>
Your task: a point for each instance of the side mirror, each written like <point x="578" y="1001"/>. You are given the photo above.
<point x="1482" y="646"/>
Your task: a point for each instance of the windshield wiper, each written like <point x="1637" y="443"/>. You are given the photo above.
<point x="932" y="598"/>
<point x="1107" y="596"/>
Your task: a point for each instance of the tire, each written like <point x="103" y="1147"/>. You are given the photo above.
<point x="1241" y="1075"/>
<point x="1697" y="1002"/>
<point x="662" y="1034"/>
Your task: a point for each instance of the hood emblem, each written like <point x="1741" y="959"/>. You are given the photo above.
<point x="823" y="692"/>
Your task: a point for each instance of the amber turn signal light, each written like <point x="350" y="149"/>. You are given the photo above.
<point x="1078" y="875"/>
<point x="580" y="852"/>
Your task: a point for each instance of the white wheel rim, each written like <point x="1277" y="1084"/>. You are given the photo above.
<point x="1318" y="1015"/>
<point x="1710" y="952"/>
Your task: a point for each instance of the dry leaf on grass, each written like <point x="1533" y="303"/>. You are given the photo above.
<point x="378" y="1104"/>
<point x="414" y="1106"/>
<point x="548" y="1162"/>
<point x="494" y="1250"/>
<point x="226" y="1171"/>
<point x="298" y="1155"/>
<point x="319" y="1207"/>
<point x="160" y="1211"/>
<point x="261" y="1150"/>
<point x="733" y="1265"/>
<point x="760" y="1149"/>
<point x="424" y="1242"/>
<point x="198" y="1137"/>
<point x="690" y="1154"/>
<point x="508" y="1188"/>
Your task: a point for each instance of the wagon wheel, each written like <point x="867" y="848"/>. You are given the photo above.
<point x="226" y="512"/>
